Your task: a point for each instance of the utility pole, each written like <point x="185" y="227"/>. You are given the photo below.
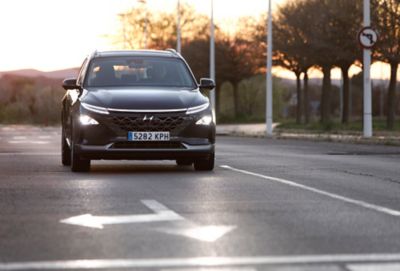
<point x="145" y="23"/>
<point x="178" y="28"/>
<point x="269" y="73"/>
<point x="367" y="76"/>
<point x="212" y="58"/>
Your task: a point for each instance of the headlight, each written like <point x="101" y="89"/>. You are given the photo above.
<point x="197" y="109"/>
<point x="96" y="109"/>
<point x="86" y="120"/>
<point x="206" y="120"/>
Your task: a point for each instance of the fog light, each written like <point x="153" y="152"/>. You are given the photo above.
<point x="206" y="120"/>
<point x="86" y="120"/>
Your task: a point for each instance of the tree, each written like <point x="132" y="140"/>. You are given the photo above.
<point x="292" y="51"/>
<point x="158" y="30"/>
<point x="344" y="18"/>
<point x="387" y="20"/>
<point x="318" y="33"/>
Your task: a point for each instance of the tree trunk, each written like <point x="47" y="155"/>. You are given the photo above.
<point x="236" y="99"/>
<point x="306" y="98"/>
<point x="391" y="100"/>
<point x="299" y="99"/>
<point x="346" y="94"/>
<point x="325" y="107"/>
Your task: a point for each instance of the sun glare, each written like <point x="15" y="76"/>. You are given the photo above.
<point x="50" y="35"/>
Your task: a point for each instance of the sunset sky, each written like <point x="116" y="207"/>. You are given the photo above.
<point x="56" y="34"/>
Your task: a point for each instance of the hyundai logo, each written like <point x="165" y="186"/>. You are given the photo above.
<point x="145" y="118"/>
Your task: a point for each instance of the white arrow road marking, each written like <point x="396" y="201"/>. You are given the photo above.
<point x="210" y="233"/>
<point x="161" y="213"/>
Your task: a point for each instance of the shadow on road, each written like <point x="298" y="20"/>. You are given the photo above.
<point x="139" y="168"/>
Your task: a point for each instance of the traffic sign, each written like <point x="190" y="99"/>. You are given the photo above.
<point x="367" y="37"/>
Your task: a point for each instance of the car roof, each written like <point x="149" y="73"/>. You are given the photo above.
<point x="158" y="53"/>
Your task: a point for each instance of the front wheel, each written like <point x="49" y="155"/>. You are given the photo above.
<point x="205" y="164"/>
<point x="65" y="150"/>
<point x="79" y="164"/>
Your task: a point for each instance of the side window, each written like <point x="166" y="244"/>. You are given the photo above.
<point x="82" y="71"/>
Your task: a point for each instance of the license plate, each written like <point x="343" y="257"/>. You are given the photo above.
<point x="148" y="136"/>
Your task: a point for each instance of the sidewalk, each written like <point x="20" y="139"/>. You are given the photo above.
<point x="258" y="130"/>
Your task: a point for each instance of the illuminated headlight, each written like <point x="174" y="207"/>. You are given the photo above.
<point x="86" y="120"/>
<point x="206" y="120"/>
<point x="96" y="109"/>
<point x="197" y="109"/>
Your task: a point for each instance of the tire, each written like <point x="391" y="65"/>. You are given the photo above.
<point x="65" y="150"/>
<point x="78" y="164"/>
<point x="205" y="164"/>
<point x="184" y="162"/>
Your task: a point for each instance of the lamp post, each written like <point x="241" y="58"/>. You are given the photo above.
<point x="268" y="95"/>
<point x="212" y="58"/>
<point x="367" y="76"/>
<point x="178" y="28"/>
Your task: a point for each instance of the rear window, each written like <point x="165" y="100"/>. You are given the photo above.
<point x="139" y="71"/>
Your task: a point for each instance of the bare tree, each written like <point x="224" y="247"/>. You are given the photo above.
<point x="387" y="20"/>
<point x="292" y="50"/>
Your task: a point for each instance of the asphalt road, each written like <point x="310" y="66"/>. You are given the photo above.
<point x="269" y="205"/>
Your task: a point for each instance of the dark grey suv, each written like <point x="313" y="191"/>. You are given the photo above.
<point x="139" y="105"/>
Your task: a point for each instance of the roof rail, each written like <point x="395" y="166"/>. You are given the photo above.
<point x="172" y="51"/>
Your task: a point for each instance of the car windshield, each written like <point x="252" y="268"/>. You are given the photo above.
<point x="139" y="71"/>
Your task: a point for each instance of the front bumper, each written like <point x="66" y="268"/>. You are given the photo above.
<point x="109" y="152"/>
<point x="109" y="139"/>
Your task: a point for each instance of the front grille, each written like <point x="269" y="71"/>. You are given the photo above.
<point x="148" y="145"/>
<point x="151" y="123"/>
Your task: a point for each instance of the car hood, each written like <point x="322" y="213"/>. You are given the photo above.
<point x="143" y="98"/>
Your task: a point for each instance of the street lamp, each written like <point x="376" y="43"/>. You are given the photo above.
<point x="178" y="28"/>
<point x="268" y="95"/>
<point x="212" y="58"/>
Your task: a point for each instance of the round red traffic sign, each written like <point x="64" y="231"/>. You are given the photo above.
<point x="367" y="37"/>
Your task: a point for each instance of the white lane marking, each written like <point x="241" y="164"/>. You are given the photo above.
<point x="200" y="262"/>
<point x="28" y="142"/>
<point x="210" y="233"/>
<point x="212" y="269"/>
<point x="374" y="267"/>
<point x="19" y="137"/>
<point x="28" y="153"/>
<point x="360" y="203"/>
<point x="44" y="137"/>
<point x="161" y="213"/>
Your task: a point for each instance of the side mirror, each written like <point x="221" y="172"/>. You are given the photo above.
<point x="206" y="84"/>
<point x="70" y="84"/>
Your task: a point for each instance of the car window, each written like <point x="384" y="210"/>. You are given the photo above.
<point x="139" y="71"/>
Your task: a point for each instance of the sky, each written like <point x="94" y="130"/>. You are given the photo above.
<point x="56" y="34"/>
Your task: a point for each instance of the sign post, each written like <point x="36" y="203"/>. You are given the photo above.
<point x="367" y="38"/>
<point x="268" y="101"/>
